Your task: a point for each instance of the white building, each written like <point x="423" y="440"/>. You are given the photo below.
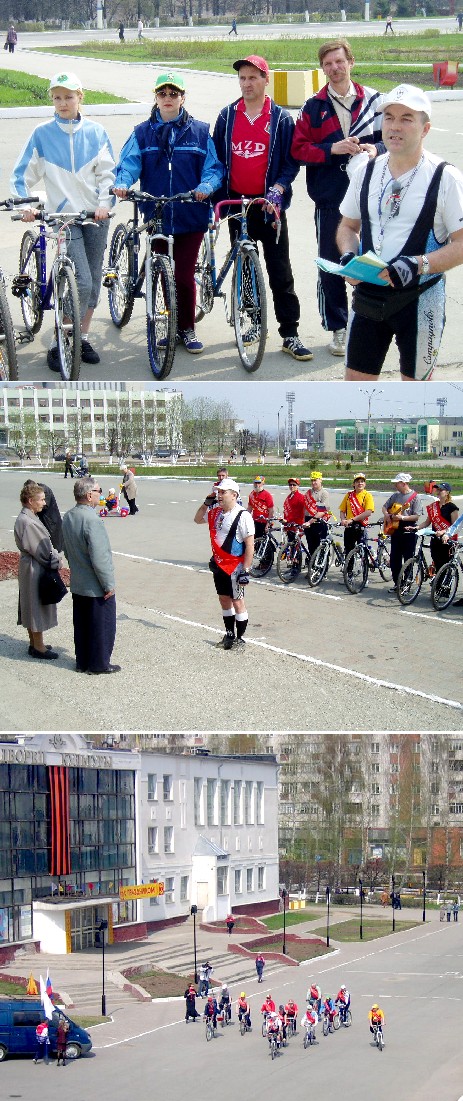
<point x="208" y="829"/>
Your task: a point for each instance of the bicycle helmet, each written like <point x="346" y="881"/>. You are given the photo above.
<point x="360" y="474"/>
<point x="242" y="995"/>
<point x="224" y="986"/>
<point x="343" y="987"/>
<point x="375" y="1007"/>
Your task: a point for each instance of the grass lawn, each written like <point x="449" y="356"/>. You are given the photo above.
<point x="298" y="950"/>
<point x="162" y="984"/>
<point x="23" y="90"/>
<point x="350" y="930"/>
<point x="376" y="60"/>
<point x="293" y="917"/>
<point x="11" y="988"/>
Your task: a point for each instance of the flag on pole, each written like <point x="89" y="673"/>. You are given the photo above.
<point x="48" y="985"/>
<point x="32" y="986"/>
<point x="46" y="1000"/>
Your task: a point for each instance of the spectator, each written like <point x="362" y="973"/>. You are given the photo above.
<point x="11" y="39"/>
<point x="230" y="921"/>
<point x="190" y="1003"/>
<point x="36" y="552"/>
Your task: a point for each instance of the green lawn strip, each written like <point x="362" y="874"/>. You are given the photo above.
<point x="293" y="917"/>
<point x="350" y="930"/>
<point x="161" y="984"/>
<point x="12" y="988"/>
<point x="22" y="90"/>
<point x="298" y="949"/>
<point x="85" y="1021"/>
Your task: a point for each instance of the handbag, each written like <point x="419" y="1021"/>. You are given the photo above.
<point x="51" y="586"/>
<point x="5" y="46"/>
<point x="379" y="305"/>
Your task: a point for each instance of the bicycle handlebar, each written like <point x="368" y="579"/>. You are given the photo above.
<point x="64" y="217"/>
<point x="9" y="204"/>
<point x="144" y="197"/>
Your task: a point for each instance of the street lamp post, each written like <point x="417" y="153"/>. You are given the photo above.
<point x="284" y="895"/>
<point x="370" y="399"/>
<point x="278" y="431"/>
<point x="103" y="925"/>
<point x="194" y="911"/>
<point x="327" y="917"/>
<point x="361" y="909"/>
<point x="393" y="903"/>
<point x="424" y="894"/>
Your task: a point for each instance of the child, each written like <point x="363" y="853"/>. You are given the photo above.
<point x="74" y="158"/>
<point x="111" y="500"/>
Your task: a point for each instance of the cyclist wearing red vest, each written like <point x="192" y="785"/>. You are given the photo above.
<point x="268" y="1006"/>
<point x="242" y="1009"/>
<point x="317" y="512"/>
<point x="441" y="514"/>
<point x="232" y="538"/>
<point x="260" y="505"/>
<point x="293" y="507"/>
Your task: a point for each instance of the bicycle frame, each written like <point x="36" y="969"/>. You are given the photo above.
<point x="154" y="231"/>
<point x="242" y="242"/>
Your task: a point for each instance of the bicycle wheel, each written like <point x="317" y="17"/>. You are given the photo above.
<point x="336" y="1022"/>
<point x="264" y="1029"/>
<point x="306" y="1040"/>
<point x="120" y="289"/>
<point x="289" y="563"/>
<point x="209" y="1031"/>
<point x="242" y="1026"/>
<point x="318" y="564"/>
<point x="383" y="559"/>
<point x="444" y="586"/>
<point x="161" y="327"/>
<point x="263" y="557"/>
<point x="410" y="580"/>
<point x="379" y="1039"/>
<point x="355" y="571"/>
<point x="326" y="1026"/>
<point x="8" y="361"/>
<point x="29" y="266"/>
<point x="67" y="320"/>
<point x="273" y="1049"/>
<point x="203" y="280"/>
<point x="249" y="308"/>
<point x="348" y="1018"/>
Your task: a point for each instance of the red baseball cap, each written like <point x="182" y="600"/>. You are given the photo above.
<point x="258" y="62"/>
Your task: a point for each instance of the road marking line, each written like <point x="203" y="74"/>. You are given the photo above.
<point x="434" y="618"/>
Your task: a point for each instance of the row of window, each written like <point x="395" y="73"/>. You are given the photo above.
<point x="216" y="801"/>
<point x="241" y="875"/>
<point x="34" y="779"/>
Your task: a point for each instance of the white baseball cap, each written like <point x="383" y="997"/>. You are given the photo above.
<point x="402" y="478"/>
<point x="408" y="96"/>
<point x="66" y="80"/>
<point x="229" y="483"/>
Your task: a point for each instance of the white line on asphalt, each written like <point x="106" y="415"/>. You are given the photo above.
<point x="434" y="618"/>
<point x="309" y="660"/>
<point x="201" y="569"/>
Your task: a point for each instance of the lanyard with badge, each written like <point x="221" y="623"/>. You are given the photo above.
<point x="393" y="203"/>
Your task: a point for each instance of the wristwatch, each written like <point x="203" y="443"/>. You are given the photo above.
<point x="424" y="265"/>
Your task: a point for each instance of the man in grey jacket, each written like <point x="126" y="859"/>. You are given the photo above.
<point x="88" y="551"/>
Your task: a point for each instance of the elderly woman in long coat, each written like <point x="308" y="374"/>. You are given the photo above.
<point x="37" y="551"/>
<point x="129" y="488"/>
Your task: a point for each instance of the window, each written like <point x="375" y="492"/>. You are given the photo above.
<point x="239" y="879"/>
<point x="435" y="787"/>
<point x="260" y="803"/>
<point x="260" y="879"/>
<point x="211" y="802"/>
<point x="375" y="747"/>
<point x="198" y="801"/>
<point x="184" y="892"/>
<point x="169" y="890"/>
<point x="375" y="810"/>
<point x="225" y="802"/>
<point x="168" y="839"/>
<point x="456" y="808"/>
<point x="237" y="804"/>
<point x="375" y="767"/>
<point x="394" y="747"/>
<point x="249" y="879"/>
<point x="152" y="839"/>
<point x="394" y="768"/>
<point x="222" y="880"/>
<point x="375" y="789"/>
<point x="248" y="808"/>
<point x="167" y="788"/>
<point x="152" y="786"/>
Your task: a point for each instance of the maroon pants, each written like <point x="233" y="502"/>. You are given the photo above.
<point x="186" y="249"/>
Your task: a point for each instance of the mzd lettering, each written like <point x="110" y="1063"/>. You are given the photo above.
<point x="248" y="149"/>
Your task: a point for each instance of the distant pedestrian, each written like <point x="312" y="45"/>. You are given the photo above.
<point x="459" y="19"/>
<point x="68" y="467"/>
<point x="389" y="26"/>
<point x="208" y="968"/>
<point x="121" y="32"/>
<point x="260" y="964"/>
<point x="449" y="911"/>
<point x="455" y="908"/>
<point x="129" y="489"/>
<point x="202" y="984"/>
<point x="230" y="921"/>
<point x="11" y="39"/>
<point x="287" y="456"/>
<point x="42" y="1042"/>
<point x="61" y="1041"/>
<point x="140" y="29"/>
<point x="190" y="1003"/>
<point x="233" y="29"/>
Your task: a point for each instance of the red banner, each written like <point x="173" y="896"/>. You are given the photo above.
<point x="60" y="858"/>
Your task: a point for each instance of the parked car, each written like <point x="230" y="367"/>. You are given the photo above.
<point x="163" y="453"/>
<point x="8" y="456"/>
<point x="19" y="1017"/>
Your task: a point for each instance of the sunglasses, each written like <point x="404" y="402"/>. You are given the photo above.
<point x="172" y="93"/>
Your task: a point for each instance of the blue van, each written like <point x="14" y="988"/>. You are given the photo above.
<point x="19" y="1017"/>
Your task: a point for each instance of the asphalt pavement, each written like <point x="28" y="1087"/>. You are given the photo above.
<point x="123" y="352"/>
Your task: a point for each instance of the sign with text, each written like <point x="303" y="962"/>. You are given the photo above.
<point x="141" y="890"/>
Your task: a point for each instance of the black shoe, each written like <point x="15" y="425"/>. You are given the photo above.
<point x="88" y="354"/>
<point x="458" y="603"/>
<point x="48" y="655"/>
<point x="31" y="649"/>
<point x="79" y="669"/>
<point x="393" y="590"/>
<point x="53" y="359"/>
<point x="99" y="672"/>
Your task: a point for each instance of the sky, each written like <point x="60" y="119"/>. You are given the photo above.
<point x="260" y="401"/>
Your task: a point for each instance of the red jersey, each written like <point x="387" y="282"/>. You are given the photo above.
<point x="268" y="1006"/>
<point x="260" y="503"/>
<point x="294" y="508"/>
<point x="250" y="150"/>
<point x="291" y="1009"/>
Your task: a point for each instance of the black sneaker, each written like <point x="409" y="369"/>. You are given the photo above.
<point x="88" y="354"/>
<point x="53" y="359"/>
<point x="225" y="643"/>
<point x="295" y="348"/>
<point x="239" y="644"/>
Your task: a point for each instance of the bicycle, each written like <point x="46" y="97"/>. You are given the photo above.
<point x="248" y="301"/>
<point x="331" y="1024"/>
<point x="329" y="550"/>
<point x="415" y="571"/>
<point x="264" y="1025"/>
<point x="8" y="359"/>
<point x="124" y="278"/>
<point x="211" y="1029"/>
<point x="289" y="557"/>
<point x="274" y="1045"/>
<point x="445" y="583"/>
<point x="57" y="291"/>
<point x="378" y="1037"/>
<point x="225" y="1015"/>
<point x="361" y="561"/>
<point x="264" y="553"/>
<point x="245" y="1024"/>
<point x="345" y="1016"/>
<point x="291" y="1027"/>
<point x="309" y="1037"/>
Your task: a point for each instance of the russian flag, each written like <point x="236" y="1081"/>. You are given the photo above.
<point x="48" y="985"/>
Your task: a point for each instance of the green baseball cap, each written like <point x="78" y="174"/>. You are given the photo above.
<point x="174" y="79"/>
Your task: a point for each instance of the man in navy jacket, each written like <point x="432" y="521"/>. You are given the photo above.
<point x="253" y="138"/>
<point x="332" y="129"/>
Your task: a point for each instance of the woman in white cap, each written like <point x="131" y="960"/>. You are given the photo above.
<point x="401" y="511"/>
<point x="74" y="158"/>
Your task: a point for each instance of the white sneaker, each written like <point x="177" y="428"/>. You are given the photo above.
<point x="338" y="343"/>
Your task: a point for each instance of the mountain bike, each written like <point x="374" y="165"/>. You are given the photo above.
<point x="415" y="571"/>
<point x="362" y="560"/>
<point x="274" y="1045"/>
<point x="57" y="291"/>
<point x="8" y="359"/>
<point x="265" y="548"/>
<point x="124" y="277"/>
<point x="291" y="1027"/>
<point x="445" y="583"/>
<point x="248" y="303"/>
<point x="264" y="1025"/>
<point x="290" y="554"/>
<point x="245" y="1024"/>
<point x="309" y="1037"/>
<point x="329" y="550"/>
<point x="211" y="1029"/>
<point x="345" y="1016"/>
<point x="331" y="1024"/>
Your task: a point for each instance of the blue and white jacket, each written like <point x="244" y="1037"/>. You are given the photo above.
<point x="169" y="158"/>
<point x="75" y="161"/>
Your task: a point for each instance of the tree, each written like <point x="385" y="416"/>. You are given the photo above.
<point x="24" y="434"/>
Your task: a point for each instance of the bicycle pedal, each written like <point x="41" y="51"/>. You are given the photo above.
<point x="24" y="337"/>
<point x="20" y="284"/>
